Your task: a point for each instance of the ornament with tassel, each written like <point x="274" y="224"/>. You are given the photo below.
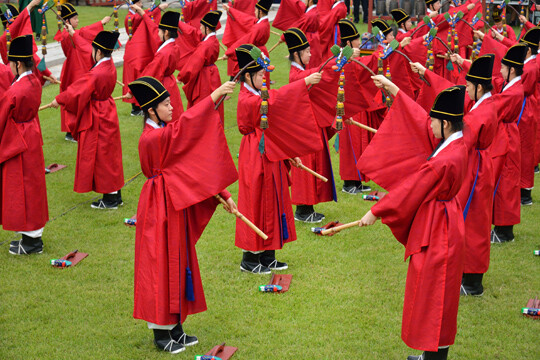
<point x="43" y="37"/>
<point x="340" y="106"/>
<point x="264" y="106"/>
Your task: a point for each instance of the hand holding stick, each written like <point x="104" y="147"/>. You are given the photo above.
<point x="46" y="106"/>
<point x="243" y="218"/>
<point x="234" y="80"/>
<point x="305" y="168"/>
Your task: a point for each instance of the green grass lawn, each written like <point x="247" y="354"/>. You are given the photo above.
<point x="345" y="299"/>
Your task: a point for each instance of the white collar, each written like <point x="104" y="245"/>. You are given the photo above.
<point x="102" y="60"/>
<point x="132" y="11"/>
<point x="336" y="4"/>
<point x="296" y="65"/>
<point x="251" y="90"/>
<point x="152" y="124"/>
<point x="529" y="59"/>
<point x="263" y="18"/>
<point x="501" y="30"/>
<point x="429" y="11"/>
<point x="311" y="7"/>
<point x="512" y="82"/>
<point x="208" y="36"/>
<point x="402" y="31"/>
<point x="23" y="75"/>
<point x="454" y="136"/>
<point x="484" y="97"/>
<point x="171" y="40"/>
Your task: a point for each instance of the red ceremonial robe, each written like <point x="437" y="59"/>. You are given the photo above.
<point x="194" y="11"/>
<point x="255" y="32"/>
<point x="6" y="77"/>
<point x="424" y="214"/>
<point x="506" y="202"/>
<point x="289" y="12"/>
<point x="511" y="34"/>
<point x="306" y="189"/>
<point x="200" y="74"/>
<point x="133" y="49"/>
<point x="263" y="194"/>
<point x="163" y="66"/>
<point x="476" y="194"/>
<point x="22" y="25"/>
<point x="93" y="122"/>
<point x="24" y="194"/>
<point x="537" y="144"/>
<point x="328" y="27"/>
<point x="527" y="123"/>
<point x="78" y="53"/>
<point x="187" y="162"/>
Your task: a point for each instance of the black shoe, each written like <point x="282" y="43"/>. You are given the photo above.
<point x="442" y="354"/>
<point x="164" y="341"/>
<point x="182" y="338"/>
<point x="351" y="190"/>
<point x="101" y="204"/>
<point x="502" y="234"/>
<point x="268" y="259"/>
<point x="536" y="170"/>
<point x="137" y="113"/>
<point x="251" y="264"/>
<point x="471" y="285"/>
<point x="526" y="198"/>
<point x="70" y="138"/>
<point x="362" y="187"/>
<point x="26" y="246"/>
<point x="312" y="218"/>
<point x="119" y="198"/>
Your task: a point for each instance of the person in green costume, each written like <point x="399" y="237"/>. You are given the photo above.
<point x="35" y="16"/>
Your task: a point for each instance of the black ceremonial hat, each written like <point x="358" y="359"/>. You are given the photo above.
<point x="481" y="70"/>
<point x="14" y="13"/>
<point x="106" y="40"/>
<point x="211" y="19"/>
<point x="382" y="25"/>
<point x="296" y="40"/>
<point x="449" y="104"/>
<point x="429" y="2"/>
<point x="515" y="56"/>
<point x="264" y="5"/>
<point x="21" y="49"/>
<point x="148" y="92"/>
<point x="347" y="30"/>
<point x="244" y="57"/>
<point x="400" y="16"/>
<point x="532" y="38"/>
<point x="169" y="21"/>
<point x="496" y="16"/>
<point x="68" y="11"/>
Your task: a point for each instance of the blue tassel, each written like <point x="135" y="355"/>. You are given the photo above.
<point x="261" y="144"/>
<point x="190" y="293"/>
<point x="285" y="230"/>
<point x="336" y="143"/>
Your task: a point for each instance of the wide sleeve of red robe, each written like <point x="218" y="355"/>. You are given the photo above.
<point x="186" y="163"/>
<point x="258" y="35"/>
<point x="309" y="24"/>
<point x="199" y="74"/>
<point x="263" y="195"/>
<point x="289" y="12"/>
<point x="22" y="25"/>
<point x="424" y="214"/>
<point x="328" y="29"/>
<point x="94" y="124"/>
<point x="23" y="190"/>
<point x="163" y="66"/>
<point x="194" y="11"/>
<point x="6" y="77"/>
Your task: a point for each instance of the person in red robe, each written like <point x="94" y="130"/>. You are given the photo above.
<point x="506" y="202"/>
<point x="328" y="26"/>
<point x="23" y="191"/>
<point x="130" y="71"/>
<point x="503" y="29"/>
<point x="186" y="162"/>
<point x="307" y="190"/>
<point x="264" y="160"/>
<point x="94" y="124"/>
<point x="423" y="210"/>
<point x="403" y="22"/>
<point x="6" y="77"/>
<point x="163" y="65"/>
<point x="76" y="45"/>
<point x="200" y="74"/>
<point x="307" y="21"/>
<point x="528" y="123"/>
<point x="247" y="29"/>
<point x="19" y="25"/>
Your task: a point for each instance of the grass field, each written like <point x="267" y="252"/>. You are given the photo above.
<point x="345" y="299"/>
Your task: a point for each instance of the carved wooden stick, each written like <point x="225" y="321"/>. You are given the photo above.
<point x="234" y="80"/>
<point x="305" y="168"/>
<point x="45" y="107"/>
<point x="365" y="127"/>
<point x="273" y="47"/>
<point x="275" y="33"/>
<point x="244" y="219"/>
<point x="120" y="83"/>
